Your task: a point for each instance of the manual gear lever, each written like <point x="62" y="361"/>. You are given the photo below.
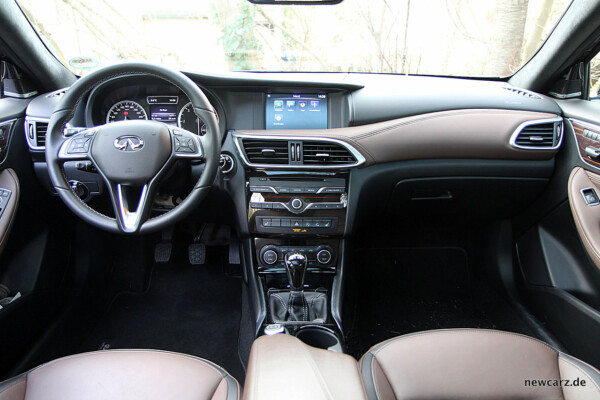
<point x="295" y="263"/>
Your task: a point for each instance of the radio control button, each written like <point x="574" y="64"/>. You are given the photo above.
<point x="296" y="203"/>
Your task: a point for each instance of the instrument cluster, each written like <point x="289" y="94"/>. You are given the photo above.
<point x="144" y="101"/>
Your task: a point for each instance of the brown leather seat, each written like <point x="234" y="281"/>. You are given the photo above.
<point x="474" y="364"/>
<point x="123" y="374"/>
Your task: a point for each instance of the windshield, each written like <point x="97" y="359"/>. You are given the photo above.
<point x="490" y="38"/>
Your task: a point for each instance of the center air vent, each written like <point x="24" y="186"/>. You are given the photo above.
<point x="541" y="135"/>
<point x="264" y="151"/>
<point x="296" y="152"/>
<point x="323" y="153"/>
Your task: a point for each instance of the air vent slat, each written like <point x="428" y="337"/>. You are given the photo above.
<point x="261" y="151"/>
<point x="316" y="153"/>
<point x="40" y="133"/>
<point x="537" y="135"/>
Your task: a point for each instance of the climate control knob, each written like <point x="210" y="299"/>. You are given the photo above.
<point x="296" y="203"/>
<point x="270" y="257"/>
<point x="324" y="256"/>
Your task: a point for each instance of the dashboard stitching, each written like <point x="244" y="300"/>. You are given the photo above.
<point x="422" y="119"/>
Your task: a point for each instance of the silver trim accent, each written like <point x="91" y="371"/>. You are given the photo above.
<point x="590" y="204"/>
<point x="131" y="219"/>
<point x="20" y="95"/>
<point x="585" y="124"/>
<point x="565" y="96"/>
<point x="328" y="260"/>
<point x="237" y="138"/>
<point x="265" y="261"/>
<point x="231" y="161"/>
<point x="519" y="129"/>
<point x="32" y="143"/>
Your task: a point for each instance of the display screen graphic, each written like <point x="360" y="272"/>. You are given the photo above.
<point x="296" y="111"/>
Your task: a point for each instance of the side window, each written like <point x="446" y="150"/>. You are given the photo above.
<point x="595" y="78"/>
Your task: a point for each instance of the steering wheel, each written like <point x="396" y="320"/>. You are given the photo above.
<point x="132" y="156"/>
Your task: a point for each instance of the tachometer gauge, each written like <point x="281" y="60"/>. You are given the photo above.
<point x="125" y="110"/>
<point x="189" y="121"/>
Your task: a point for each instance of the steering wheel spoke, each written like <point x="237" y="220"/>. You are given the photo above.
<point x="78" y="146"/>
<point x="186" y="145"/>
<point x="131" y="205"/>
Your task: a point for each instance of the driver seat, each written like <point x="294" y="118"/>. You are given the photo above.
<point x="124" y="374"/>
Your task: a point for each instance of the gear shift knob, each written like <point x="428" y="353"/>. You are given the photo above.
<point x="295" y="263"/>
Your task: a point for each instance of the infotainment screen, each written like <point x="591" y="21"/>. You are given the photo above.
<point x="296" y="111"/>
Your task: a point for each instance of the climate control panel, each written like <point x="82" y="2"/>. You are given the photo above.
<point x="320" y="256"/>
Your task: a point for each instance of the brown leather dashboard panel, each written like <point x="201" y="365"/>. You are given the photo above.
<point x="471" y="133"/>
<point x="587" y="217"/>
<point x="10" y="181"/>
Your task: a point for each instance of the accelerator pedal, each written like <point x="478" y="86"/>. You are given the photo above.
<point x="162" y="251"/>
<point x="197" y="250"/>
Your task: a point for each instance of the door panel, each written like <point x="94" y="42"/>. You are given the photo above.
<point x="558" y="242"/>
<point x="9" y="200"/>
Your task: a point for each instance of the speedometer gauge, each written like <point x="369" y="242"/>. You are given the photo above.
<point x="125" y="110"/>
<point x="189" y="121"/>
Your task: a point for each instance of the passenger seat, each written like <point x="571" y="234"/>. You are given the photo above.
<point x="474" y="364"/>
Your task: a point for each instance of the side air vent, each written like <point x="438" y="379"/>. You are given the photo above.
<point x="35" y="131"/>
<point x="522" y="92"/>
<point x="40" y="133"/>
<point x="264" y="151"/>
<point x="324" y="153"/>
<point x="542" y="135"/>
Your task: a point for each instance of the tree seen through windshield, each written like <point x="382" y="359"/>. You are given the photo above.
<point x="431" y="37"/>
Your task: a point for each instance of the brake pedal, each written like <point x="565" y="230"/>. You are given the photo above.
<point x="197" y="253"/>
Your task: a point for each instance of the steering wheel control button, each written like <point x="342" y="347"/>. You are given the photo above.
<point x="270" y="257"/>
<point x="324" y="256"/>
<point x="590" y="197"/>
<point x="79" y="145"/>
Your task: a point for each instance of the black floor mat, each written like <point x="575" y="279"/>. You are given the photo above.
<point x="410" y="290"/>
<point x="189" y="309"/>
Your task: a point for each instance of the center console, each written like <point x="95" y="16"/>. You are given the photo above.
<point x="295" y="204"/>
<point x="297" y="221"/>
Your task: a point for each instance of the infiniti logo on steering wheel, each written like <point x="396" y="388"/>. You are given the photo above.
<point x="129" y="143"/>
